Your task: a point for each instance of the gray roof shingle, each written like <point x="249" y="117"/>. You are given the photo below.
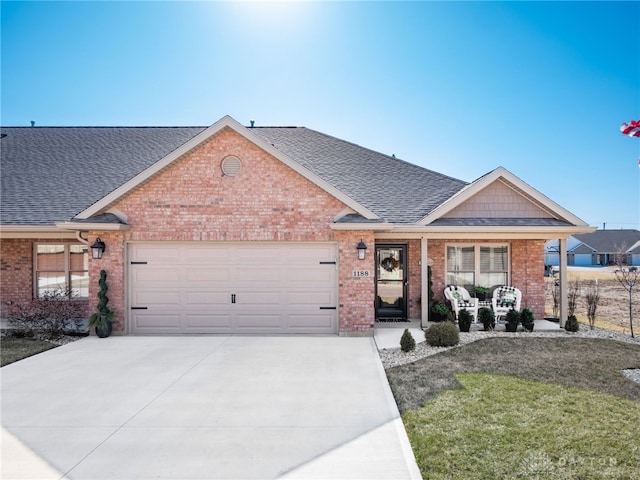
<point x="50" y="174"/>
<point x="610" y="241"/>
<point x="397" y="191"/>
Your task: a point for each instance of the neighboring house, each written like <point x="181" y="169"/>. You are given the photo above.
<point x="599" y="248"/>
<point x="256" y="230"/>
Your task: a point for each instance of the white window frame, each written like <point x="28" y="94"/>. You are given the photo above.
<point x="67" y="266"/>
<point x="476" y="259"/>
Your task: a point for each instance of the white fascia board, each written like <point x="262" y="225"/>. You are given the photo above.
<point x="473" y="188"/>
<point x="532" y="232"/>
<point x="33" y="231"/>
<point x="224" y="122"/>
<point x="87" y="226"/>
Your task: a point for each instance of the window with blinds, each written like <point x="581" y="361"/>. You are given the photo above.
<point x="484" y="264"/>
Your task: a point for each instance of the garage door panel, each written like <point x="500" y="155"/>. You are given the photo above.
<point x="206" y="298"/>
<point x="259" y="321"/>
<point x="157" y="298"/>
<point x="156" y="276"/>
<point x="209" y="274"/>
<point x="156" y="254"/>
<point x="236" y="287"/>
<point x="306" y="298"/>
<point x="212" y="321"/>
<point x="155" y="320"/>
<point x="319" y="322"/>
<point x="258" y="275"/>
<point x="317" y="275"/>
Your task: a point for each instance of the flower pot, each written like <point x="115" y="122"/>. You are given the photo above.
<point x="511" y="327"/>
<point x="104" y="331"/>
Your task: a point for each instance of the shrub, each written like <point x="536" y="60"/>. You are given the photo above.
<point x="48" y="317"/>
<point x="439" y="311"/>
<point x="487" y="318"/>
<point x="512" y="319"/>
<point x="464" y="320"/>
<point x="527" y="319"/>
<point x="407" y="343"/>
<point x="443" y="334"/>
<point x="572" y="324"/>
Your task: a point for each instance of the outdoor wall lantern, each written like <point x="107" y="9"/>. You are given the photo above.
<point x="362" y="249"/>
<point x="98" y="248"/>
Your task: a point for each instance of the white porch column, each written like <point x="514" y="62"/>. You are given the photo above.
<point x="424" y="264"/>
<point x="564" y="280"/>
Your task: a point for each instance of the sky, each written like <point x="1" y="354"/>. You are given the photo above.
<point x="539" y="88"/>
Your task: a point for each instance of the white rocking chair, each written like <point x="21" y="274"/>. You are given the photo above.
<point x="460" y="299"/>
<point x="505" y="298"/>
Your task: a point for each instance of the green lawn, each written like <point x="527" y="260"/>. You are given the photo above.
<point x="548" y="408"/>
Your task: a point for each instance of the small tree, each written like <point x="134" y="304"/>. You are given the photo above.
<point x="628" y="277"/>
<point x="592" y="296"/>
<point x="407" y="342"/>
<point x="573" y="294"/>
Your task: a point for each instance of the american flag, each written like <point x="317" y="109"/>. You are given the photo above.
<point x="632" y="128"/>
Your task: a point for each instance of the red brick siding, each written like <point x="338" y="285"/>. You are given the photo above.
<point x="357" y="294"/>
<point x="112" y="262"/>
<point x="192" y="201"/>
<point x="527" y="270"/>
<point x="16" y="269"/>
<point x="527" y="273"/>
<point x="17" y="274"/>
<point x="415" y="279"/>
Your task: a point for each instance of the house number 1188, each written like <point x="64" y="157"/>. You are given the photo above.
<point x="360" y="273"/>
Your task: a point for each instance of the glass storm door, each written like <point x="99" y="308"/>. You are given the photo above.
<point x="391" y="282"/>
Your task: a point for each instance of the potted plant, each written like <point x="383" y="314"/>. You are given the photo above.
<point x="481" y="292"/>
<point x="103" y="318"/>
<point x="464" y="320"/>
<point x="487" y="318"/>
<point x="527" y="319"/>
<point x="513" y="319"/>
<point x="439" y="311"/>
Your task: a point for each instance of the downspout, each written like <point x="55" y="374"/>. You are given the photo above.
<point x="80" y="238"/>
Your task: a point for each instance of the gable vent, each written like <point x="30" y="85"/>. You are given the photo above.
<point x="231" y="166"/>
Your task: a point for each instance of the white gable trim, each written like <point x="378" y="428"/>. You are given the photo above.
<point x="224" y="122"/>
<point x="473" y="188"/>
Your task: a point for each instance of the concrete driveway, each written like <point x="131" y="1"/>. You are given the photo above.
<point x="203" y="407"/>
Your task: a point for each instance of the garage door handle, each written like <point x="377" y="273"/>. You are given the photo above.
<point x="327" y="308"/>
<point x="139" y="308"/>
<point x="233" y="298"/>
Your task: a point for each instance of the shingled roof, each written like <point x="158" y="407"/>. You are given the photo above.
<point x="50" y="174"/>
<point x="611" y="241"/>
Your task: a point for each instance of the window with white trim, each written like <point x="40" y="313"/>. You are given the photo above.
<point x="63" y="266"/>
<point x="480" y="264"/>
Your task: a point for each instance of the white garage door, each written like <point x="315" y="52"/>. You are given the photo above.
<point x="233" y="288"/>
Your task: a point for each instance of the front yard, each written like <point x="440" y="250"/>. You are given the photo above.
<point x="523" y="408"/>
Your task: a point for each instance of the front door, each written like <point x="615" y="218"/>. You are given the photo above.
<point x="391" y="282"/>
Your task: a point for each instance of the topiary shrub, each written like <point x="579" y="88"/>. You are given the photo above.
<point x="512" y="319"/>
<point x="407" y="343"/>
<point x="572" y="324"/>
<point x="439" y="312"/>
<point x="527" y="319"/>
<point x="487" y="318"/>
<point x="464" y="320"/>
<point x="443" y="334"/>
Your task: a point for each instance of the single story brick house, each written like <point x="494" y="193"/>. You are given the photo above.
<point x="234" y="229"/>
<point x="599" y="248"/>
